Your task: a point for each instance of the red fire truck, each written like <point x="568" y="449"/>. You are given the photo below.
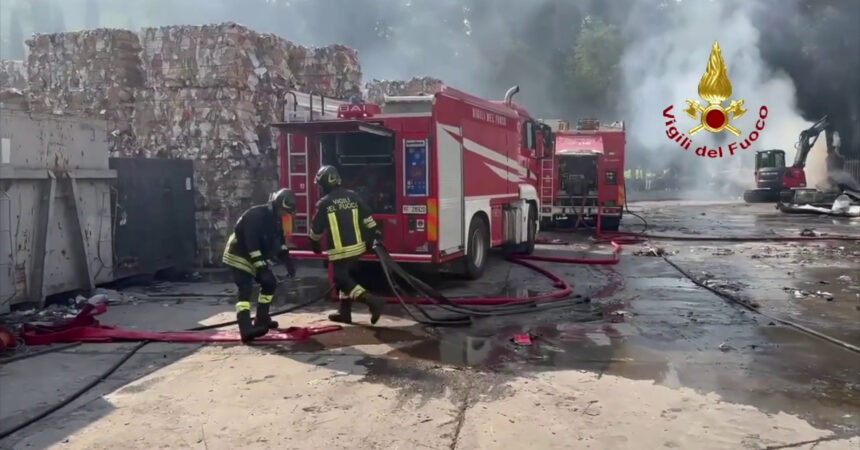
<point x="448" y="176"/>
<point x="586" y="174"/>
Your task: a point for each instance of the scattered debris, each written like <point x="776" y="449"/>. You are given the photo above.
<point x="825" y="295"/>
<point x="845" y="278"/>
<point x="618" y="316"/>
<point x="843" y="206"/>
<point x="523" y="339"/>
<point x="724" y="285"/>
<point x="808" y="232"/>
<point x="801" y="293"/>
<point x="723" y="252"/>
<point x="653" y="251"/>
<point x="111" y="296"/>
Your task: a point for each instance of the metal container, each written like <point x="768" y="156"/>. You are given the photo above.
<point x="55" y="200"/>
<point x="154" y="227"/>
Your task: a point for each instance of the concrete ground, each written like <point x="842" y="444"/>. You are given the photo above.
<point x="652" y="361"/>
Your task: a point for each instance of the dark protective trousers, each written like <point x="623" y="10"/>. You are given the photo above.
<point x="245" y="283"/>
<point x="344" y="283"/>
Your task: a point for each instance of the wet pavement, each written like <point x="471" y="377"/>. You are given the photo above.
<point x="647" y="321"/>
<point x="640" y="320"/>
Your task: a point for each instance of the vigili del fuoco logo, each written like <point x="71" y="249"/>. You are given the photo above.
<point x="715" y="88"/>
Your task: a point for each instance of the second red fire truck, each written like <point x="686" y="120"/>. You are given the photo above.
<point x="448" y="176"/>
<point x="586" y="175"/>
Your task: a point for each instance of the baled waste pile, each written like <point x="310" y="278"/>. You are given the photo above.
<point x="332" y="71"/>
<point x="205" y="93"/>
<point x="93" y="73"/>
<point x="378" y="89"/>
<point x="13" y="74"/>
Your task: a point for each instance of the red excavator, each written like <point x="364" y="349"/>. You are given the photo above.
<point x="777" y="183"/>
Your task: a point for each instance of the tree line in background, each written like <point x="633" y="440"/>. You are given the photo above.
<point x="566" y="52"/>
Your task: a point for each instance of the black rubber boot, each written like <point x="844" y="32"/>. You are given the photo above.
<point x="344" y="312"/>
<point x="263" y="318"/>
<point x="247" y="330"/>
<point x="375" y="304"/>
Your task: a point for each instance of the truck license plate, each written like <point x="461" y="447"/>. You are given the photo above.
<point x="414" y="209"/>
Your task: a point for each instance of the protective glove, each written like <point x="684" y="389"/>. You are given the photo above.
<point x="316" y="246"/>
<point x="288" y="263"/>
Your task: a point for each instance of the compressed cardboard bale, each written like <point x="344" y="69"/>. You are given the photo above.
<point x="378" y="89"/>
<point x="222" y="55"/>
<point x="333" y="71"/>
<point x="92" y="73"/>
<point x="224" y="189"/>
<point x="13" y="74"/>
<point x="196" y="123"/>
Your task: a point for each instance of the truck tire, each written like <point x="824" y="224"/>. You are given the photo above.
<point x="479" y="246"/>
<point x="528" y="247"/>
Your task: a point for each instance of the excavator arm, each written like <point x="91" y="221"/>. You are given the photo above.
<point x="809" y="137"/>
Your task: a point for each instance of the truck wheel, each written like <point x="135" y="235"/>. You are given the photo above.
<point x="529" y="246"/>
<point x="479" y="246"/>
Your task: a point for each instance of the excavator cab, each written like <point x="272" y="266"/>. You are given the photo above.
<point x="769" y="172"/>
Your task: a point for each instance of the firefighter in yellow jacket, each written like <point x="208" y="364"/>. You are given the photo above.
<point x="349" y="223"/>
<point x="258" y="237"/>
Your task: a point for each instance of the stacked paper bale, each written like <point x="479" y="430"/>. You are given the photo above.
<point x="333" y="71"/>
<point x="92" y="73"/>
<point x="13" y="74"/>
<point x="210" y="93"/>
<point x="378" y="89"/>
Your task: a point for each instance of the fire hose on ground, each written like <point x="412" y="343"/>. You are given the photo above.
<point x="464" y="307"/>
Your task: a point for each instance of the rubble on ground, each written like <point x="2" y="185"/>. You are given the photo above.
<point x="725" y="285"/>
<point x="205" y="93"/>
<point x="378" y="89"/>
<point x="802" y="293"/>
<point x="652" y="251"/>
<point x="13" y="74"/>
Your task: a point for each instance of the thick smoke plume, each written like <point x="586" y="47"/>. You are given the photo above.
<point x="663" y="67"/>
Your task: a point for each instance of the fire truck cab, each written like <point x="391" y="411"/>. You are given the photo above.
<point x="448" y="176"/>
<point x="585" y="176"/>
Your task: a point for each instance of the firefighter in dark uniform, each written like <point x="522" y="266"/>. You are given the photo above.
<point x="349" y="223"/>
<point x="258" y="237"/>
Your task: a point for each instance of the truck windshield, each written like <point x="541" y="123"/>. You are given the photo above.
<point x="366" y="164"/>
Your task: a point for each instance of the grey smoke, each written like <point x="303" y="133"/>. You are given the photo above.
<point x="664" y="68"/>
